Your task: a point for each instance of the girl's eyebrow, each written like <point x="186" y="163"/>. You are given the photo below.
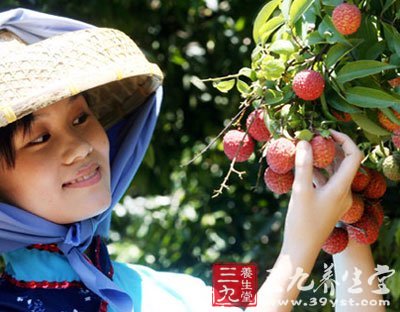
<point x="70" y="100"/>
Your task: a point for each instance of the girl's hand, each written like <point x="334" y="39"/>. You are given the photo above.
<point x="314" y="211"/>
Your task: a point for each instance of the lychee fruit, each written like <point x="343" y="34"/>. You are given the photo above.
<point x="232" y="140"/>
<point x="395" y="82"/>
<point x="396" y="138"/>
<point x="356" y="210"/>
<point x="346" y="18"/>
<point x="336" y="242"/>
<point x="364" y="231"/>
<point x="375" y="209"/>
<point x="258" y="130"/>
<point x="323" y="151"/>
<point x="391" y="167"/>
<point x="361" y="179"/>
<point x="376" y="188"/>
<point x="341" y="116"/>
<point x="386" y="122"/>
<point x="281" y="155"/>
<point x="308" y="85"/>
<point x="278" y="183"/>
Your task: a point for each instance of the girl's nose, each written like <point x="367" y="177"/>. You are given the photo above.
<point x="75" y="147"/>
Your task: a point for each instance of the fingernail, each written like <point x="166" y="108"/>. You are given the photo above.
<point x="303" y="146"/>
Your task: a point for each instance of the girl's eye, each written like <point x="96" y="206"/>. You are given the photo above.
<point x="81" y="119"/>
<point x="40" y="139"/>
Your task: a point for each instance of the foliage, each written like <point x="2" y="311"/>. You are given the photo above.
<point x="172" y="223"/>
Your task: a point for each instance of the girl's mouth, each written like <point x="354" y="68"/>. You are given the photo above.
<point x="86" y="180"/>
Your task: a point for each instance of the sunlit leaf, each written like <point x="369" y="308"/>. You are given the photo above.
<point x="297" y="9"/>
<point x="263" y="17"/>
<point x="268" y="28"/>
<point x="224" y="85"/>
<point x="242" y="87"/>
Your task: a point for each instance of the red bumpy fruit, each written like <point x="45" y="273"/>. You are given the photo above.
<point x="354" y="213"/>
<point x="280" y="155"/>
<point x="346" y="18"/>
<point x="361" y="179"/>
<point x="341" y="116"/>
<point x="336" y="242"/>
<point x="376" y="188"/>
<point x="232" y="140"/>
<point x="278" y="183"/>
<point x="375" y="210"/>
<point x="365" y="231"/>
<point x="308" y="85"/>
<point x="387" y="123"/>
<point x="396" y="138"/>
<point x="258" y="130"/>
<point x="323" y="151"/>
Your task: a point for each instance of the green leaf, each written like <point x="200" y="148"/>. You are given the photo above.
<point x="262" y="18"/>
<point x="273" y="97"/>
<point x="242" y="87"/>
<point x="375" y="50"/>
<point x="304" y="134"/>
<point x="368" y="125"/>
<point x="370" y="98"/>
<point x="285" y="8"/>
<point x="297" y="9"/>
<point x="282" y="47"/>
<point x="332" y="2"/>
<point x="150" y="158"/>
<point x="269" y="27"/>
<point x="272" y="68"/>
<point x="392" y="37"/>
<point x="341" y="105"/>
<point x="336" y="53"/>
<point x="387" y="5"/>
<point x="363" y="68"/>
<point x="314" y="38"/>
<point x="248" y="72"/>
<point x="389" y="114"/>
<point x="394" y="59"/>
<point x="225" y="85"/>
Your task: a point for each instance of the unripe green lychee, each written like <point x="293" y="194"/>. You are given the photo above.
<point x="391" y="167"/>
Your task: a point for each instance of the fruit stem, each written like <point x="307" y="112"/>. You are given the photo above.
<point x="325" y="109"/>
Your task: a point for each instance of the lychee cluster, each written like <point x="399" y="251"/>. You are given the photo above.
<point x="239" y="144"/>
<point x="280" y="157"/>
<point x="362" y="221"/>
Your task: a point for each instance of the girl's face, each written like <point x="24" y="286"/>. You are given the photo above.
<point x="62" y="170"/>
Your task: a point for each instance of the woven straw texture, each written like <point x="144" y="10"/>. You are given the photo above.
<point x="104" y="62"/>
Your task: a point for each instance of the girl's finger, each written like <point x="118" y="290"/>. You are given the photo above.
<point x="303" y="178"/>
<point x="349" y="166"/>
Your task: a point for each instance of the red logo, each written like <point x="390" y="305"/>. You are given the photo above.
<point x="234" y="284"/>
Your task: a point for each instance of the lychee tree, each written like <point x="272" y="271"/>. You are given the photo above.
<point x="316" y="66"/>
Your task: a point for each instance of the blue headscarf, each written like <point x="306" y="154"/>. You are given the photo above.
<point x="129" y="139"/>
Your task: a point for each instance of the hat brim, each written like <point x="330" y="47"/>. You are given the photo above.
<point x="104" y="62"/>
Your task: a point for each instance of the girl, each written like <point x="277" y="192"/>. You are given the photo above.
<point x="78" y="108"/>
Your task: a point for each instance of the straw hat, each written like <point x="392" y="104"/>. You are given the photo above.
<point x="104" y="62"/>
